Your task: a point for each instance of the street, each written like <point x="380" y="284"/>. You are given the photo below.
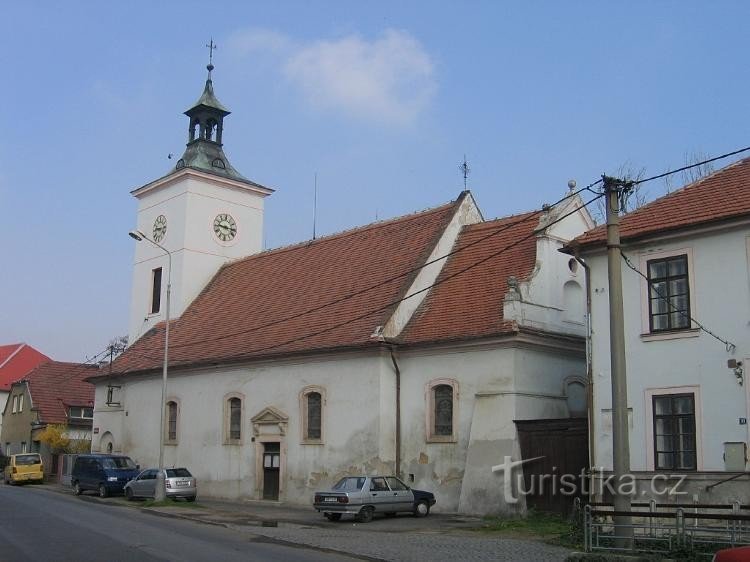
<point x="36" y="524"/>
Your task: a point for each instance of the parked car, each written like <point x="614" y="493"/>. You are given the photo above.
<point x="179" y="482"/>
<point x="737" y="554"/>
<point x="26" y="467"/>
<point x="364" y="496"/>
<point x="107" y="474"/>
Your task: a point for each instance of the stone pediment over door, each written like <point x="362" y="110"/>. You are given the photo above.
<point x="270" y="421"/>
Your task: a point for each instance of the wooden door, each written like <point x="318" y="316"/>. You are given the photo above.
<point x="271" y="469"/>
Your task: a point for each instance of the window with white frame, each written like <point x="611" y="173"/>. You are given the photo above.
<point x="233" y="418"/>
<point x="674" y="431"/>
<point x="20" y="402"/>
<point x="441" y="417"/>
<point x="668" y="293"/>
<point x="80" y="413"/>
<point x="312" y="400"/>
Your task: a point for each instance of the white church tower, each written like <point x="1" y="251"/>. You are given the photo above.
<point x="204" y="213"/>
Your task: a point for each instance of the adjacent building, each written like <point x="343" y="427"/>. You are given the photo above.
<point x="53" y="393"/>
<point x="686" y="293"/>
<point x="15" y="361"/>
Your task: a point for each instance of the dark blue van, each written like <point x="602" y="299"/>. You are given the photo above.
<point x="107" y="474"/>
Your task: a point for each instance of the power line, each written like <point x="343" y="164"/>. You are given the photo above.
<point x="437" y="282"/>
<point x="729" y="345"/>
<point x="391" y="279"/>
<point x="714" y="159"/>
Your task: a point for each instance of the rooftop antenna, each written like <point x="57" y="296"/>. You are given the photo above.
<point x="465" y="170"/>
<point x="315" y="203"/>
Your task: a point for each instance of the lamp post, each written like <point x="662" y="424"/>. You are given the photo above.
<point x="160" y="494"/>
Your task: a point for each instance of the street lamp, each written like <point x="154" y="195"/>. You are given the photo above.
<point x="160" y="493"/>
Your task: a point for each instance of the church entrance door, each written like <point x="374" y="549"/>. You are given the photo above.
<point x="271" y="464"/>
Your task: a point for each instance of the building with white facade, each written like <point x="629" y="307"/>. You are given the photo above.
<point x="686" y="280"/>
<point x="407" y="346"/>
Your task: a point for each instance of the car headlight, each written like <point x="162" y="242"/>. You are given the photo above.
<point x="112" y="479"/>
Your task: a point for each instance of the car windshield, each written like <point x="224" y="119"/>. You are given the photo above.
<point x="349" y="484"/>
<point x="118" y="462"/>
<point x="178" y="473"/>
<point x="22" y="460"/>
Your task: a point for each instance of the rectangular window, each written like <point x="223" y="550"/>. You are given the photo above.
<point x="668" y="294"/>
<point x="20" y="402"/>
<point x="674" y="432"/>
<point x="23" y="447"/>
<point x="15" y="404"/>
<point x="172" y="421"/>
<point x="81" y="413"/>
<point x="156" y="291"/>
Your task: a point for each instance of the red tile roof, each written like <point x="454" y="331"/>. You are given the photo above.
<point x="470" y="305"/>
<point x="16" y="360"/>
<point x="245" y="311"/>
<point x="721" y="196"/>
<point x="56" y="385"/>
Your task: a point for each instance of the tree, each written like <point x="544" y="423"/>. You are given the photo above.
<point x="55" y="436"/>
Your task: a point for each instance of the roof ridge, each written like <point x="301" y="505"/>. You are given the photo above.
<point x="682" y="189"/>
<point x="346" y="232"/>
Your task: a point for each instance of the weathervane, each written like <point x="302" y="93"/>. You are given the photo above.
<point x="465" y="170"/>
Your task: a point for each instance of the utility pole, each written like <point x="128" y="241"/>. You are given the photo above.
<point x="613" y="188"/>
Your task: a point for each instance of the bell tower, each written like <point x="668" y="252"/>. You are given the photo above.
<point x="203" y="213"/>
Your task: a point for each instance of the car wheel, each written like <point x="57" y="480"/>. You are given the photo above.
<point x="129" y="494"/>
<point x="190" y="498"/>
<point x="333" y="516"/>
<point x="103" y="491"/>
<point x="421" y="509"/>
<point x="365" y="514"/>
<point x="77" y="489"/>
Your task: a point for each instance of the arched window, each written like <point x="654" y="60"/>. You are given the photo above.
<point x="443" y="409"/>
<point x="314" y="406"/>
<point x="312" y="400"/>
<point x="235" y="418"/>
<point x="109" y="448"/>
<point x="442" y="396"/>
<point x="172" y="421"/>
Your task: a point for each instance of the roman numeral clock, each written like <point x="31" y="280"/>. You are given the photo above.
<point x="225" y="227"/>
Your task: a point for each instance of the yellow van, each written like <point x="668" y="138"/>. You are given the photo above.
<point x="26" y="467"/>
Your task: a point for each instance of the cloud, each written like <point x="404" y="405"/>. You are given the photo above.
<point x="391" y="78"/>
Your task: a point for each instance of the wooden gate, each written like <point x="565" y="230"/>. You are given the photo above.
<point x="563" y="446"/>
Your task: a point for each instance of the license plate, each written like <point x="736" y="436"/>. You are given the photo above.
<point x="329" y="499"/>
<point x="182" y="484"/>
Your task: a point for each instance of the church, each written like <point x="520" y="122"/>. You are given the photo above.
<point x="411" y="346"/>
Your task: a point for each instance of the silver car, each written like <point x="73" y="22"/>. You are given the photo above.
<point x="179" y="482"/>
<point x="364" y="496"/>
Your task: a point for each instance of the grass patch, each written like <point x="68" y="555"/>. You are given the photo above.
<point x="170" y="503"/>
<point x="546" y="526"/>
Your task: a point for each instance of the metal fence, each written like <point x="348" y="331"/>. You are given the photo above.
<point x="663" y="528"/>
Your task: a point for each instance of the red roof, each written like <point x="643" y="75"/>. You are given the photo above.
<point x="470" y="304"/>
<point x="16" y="360"/>
<point x="721" y="196"/>
<point x="56" y="385"/>
<point x="245" y="311"/>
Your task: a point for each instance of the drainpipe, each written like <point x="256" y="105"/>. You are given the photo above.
<point x="398" y="410"/>
<point x="589" y="366"/>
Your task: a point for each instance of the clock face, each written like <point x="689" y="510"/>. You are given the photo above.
<point x="160" y="228"/>
<point x="224" y="227"/>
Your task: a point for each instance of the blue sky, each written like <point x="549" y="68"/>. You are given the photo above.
<point x="380" y="99"/>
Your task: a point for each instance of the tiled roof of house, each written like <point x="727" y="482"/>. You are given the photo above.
<point x="245" y="310"/>
<point x="56" y="385"/>
<point x="721" y="196"/>
<point x="16" y="360"/>
<point x="470" y="304"/>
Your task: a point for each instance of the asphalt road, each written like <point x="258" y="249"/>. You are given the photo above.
<point x="36" y="524"/>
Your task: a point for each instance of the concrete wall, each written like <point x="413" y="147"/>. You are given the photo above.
<point x="691" y="360"/>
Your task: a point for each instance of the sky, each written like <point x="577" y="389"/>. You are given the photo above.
<point x="381" y="100"/>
